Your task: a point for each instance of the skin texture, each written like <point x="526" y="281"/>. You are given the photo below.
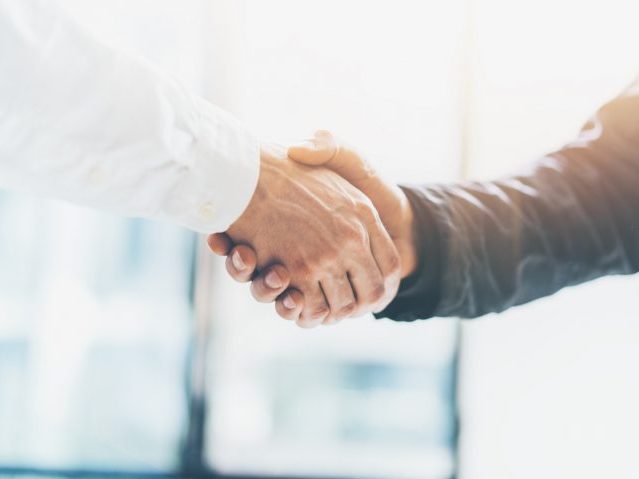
<point x="391" y="203"/>
<point x="389" y="200"/>
<point x="311" y="231"/>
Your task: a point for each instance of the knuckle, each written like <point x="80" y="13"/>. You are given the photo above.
<point x="394" y="264"/>
<point x="258" y="293"/>
<point x="315" y="312"/>
<point x="328" y="255"/>
<point x="347" y="223"/>
<point x="285" y="313"/>
<point x="364" y="208"/>
<point x="302" y="268"/>
<point x="330" y="320"/>
<point x="283" y="275"/>
<point x="377" y="293"/>
<point x="327" y="321"/>
<point x="392" y="285"/>
<point x="323" y="262"/>
<point x="307" y="323"/>
<point x="319" y="312"/>
<point x="353" y="233"/>
<point x="234" y="273"/>
<point x="346" y="310"/>
<point x="296" y="295"/>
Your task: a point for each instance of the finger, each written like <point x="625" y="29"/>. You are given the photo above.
<point x="307" y="323"/>
<point x="367" y="282"/>
<point x="324" y="149"/>
<point x="313" y="151"/>
<point x="339" y="296"/>
<point x="388" y="261"/>
<point x="290" y="304"/>
<point x="220" y="243"/>
<point x="389" y="200"/>
<point x="270" y="283"/>
<point x="315" y="307"/>
<point x="241" y="263"/>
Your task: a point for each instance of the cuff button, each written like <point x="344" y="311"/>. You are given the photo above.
<point x="207" y="211"/>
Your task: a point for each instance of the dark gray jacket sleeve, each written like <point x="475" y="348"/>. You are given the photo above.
<point x="573" y="217"/>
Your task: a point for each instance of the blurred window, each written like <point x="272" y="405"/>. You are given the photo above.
<point x="94" y="333"/>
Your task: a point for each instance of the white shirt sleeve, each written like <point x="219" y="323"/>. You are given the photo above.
<point x="86" y="123"/>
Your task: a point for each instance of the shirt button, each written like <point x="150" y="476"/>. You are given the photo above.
<point x="207" y="211"/>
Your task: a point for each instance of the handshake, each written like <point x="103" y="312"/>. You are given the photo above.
<point x="323" y="236"/>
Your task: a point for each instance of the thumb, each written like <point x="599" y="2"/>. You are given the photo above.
<point x="325" y="150"/>
<point x="316" y="151"/>
<point x="220" y="243"/>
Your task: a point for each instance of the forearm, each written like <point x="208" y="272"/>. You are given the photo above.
<point x="84" y="122"/>
<point x="485" y="247"/>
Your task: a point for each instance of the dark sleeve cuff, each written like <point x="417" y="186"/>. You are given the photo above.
<point x="419" y="294"/>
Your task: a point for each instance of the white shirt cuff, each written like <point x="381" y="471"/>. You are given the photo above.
<point x="222" y="171"/>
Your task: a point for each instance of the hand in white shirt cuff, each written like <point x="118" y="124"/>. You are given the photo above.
<point x="220" y="176"/>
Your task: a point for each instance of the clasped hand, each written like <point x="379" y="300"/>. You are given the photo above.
<point x="323" y="236"/>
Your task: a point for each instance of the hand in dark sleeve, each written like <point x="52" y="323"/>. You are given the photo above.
<point x="485" y="247"/>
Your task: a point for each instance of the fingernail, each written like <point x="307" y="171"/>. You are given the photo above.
<point x="273" y="280"/>
<point x="239" y="264"/>
<point x="288" y="302"/>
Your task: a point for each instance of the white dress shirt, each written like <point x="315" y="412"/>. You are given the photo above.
<point x="90" y="124"/>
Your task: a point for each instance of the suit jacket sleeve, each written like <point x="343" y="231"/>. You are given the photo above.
<point x="572" y="217"/>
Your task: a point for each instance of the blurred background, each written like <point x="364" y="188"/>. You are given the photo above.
<point x="125" y="351"/>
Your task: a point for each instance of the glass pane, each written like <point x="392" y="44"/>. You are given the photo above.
<point x="361" y="399"/>
<point x="94" y="329"/>
<point x="94" y="310"/>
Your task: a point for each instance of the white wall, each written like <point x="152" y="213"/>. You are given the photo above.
<point x="550" y="389"/>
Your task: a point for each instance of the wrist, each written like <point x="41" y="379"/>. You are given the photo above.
<point x="269" y="173"/>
